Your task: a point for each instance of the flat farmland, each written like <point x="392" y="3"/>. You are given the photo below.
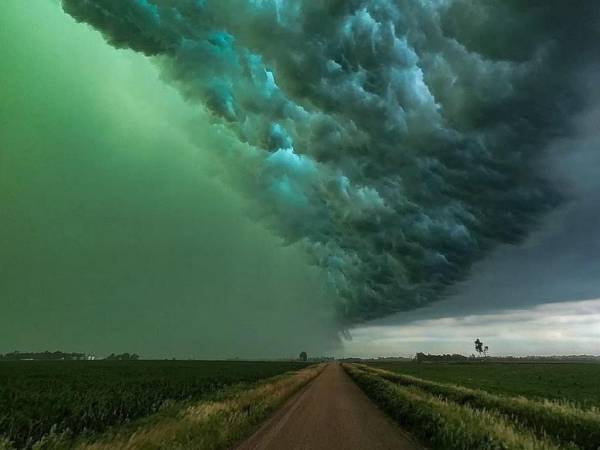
<point x="453" y="415"/>
<point x="84" y="398"/>
<point x="568" y="382"/>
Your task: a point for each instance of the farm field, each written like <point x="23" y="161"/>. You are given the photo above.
<point x="571" y="382"/>
<point x="85" y="398"/>
<point x="452" y="417"/>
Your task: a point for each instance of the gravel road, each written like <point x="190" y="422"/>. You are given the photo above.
<point x="330" y="413"/>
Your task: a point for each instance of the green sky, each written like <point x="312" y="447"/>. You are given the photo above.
<point x="115" y="233"/>
<point x="132" y="220"/>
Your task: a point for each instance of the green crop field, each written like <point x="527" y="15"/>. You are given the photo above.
<point x="571" y="382"/>
<point x="489" y="406"/>
<point x="88" y="397"/>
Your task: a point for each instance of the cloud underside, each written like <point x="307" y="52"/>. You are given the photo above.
<point x="398" y="142"/>
<point x="548" y="329"/>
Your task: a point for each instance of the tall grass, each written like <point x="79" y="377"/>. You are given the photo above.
<point x="210" y="425"/>
<point x="85" y="398"/>
<point x="575" y="383"/>
<point x="563" y="422"/>
<point x="444" y="424"/>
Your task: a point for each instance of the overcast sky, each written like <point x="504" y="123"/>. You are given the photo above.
<point x="540" y="297"/>
<point x="154" y="203"/>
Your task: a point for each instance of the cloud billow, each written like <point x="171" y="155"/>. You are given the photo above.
<point x="399" y="141"/>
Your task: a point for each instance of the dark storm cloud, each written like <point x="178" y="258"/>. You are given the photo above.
<point x="559" y="261"/>
<point x="398" y="141"/>
<point x="114" y="234"/>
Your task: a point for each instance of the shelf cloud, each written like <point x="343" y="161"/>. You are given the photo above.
<point x="398" y="142"/>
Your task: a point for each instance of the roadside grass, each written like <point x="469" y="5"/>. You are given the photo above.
<point x="445" y="424"/>
<point x="85" y="398"/>
<point x="576" y="383"/>
<point x="210" y="424"/>
<point x="562" y="421"/>
<point x="225" y="419"/>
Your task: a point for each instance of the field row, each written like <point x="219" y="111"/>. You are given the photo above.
<point x="82" y="399"/>
<point x="453" y="417"/>
<point x="210" y="425"/>
<point x="566" y="382"/>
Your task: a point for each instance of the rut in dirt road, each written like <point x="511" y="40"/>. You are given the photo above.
<point x="330" y="413"/>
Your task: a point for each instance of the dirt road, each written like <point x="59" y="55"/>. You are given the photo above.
<point x="330" y="413"/>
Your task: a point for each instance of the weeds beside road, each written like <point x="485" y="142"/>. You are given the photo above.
<point x="452" y="417"/>
<point x="212" y="424"/>
<point x="42" y="402"/>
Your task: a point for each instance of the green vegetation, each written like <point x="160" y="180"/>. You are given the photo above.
<point x="43" y="356"/>
<point x="444" y="425"/>
<point x="211" y="425"/>
<point x="453" y="417"/>
<point x="84" y="398"/>
<point x="568" y="382"/>
<point x="563" y="422"/>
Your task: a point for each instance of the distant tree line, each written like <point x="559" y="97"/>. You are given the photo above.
<point x="422" y="357"/>
<point x="63" y="356"/>
<point x="123" y="357"/>
<point x="43" y="356"/>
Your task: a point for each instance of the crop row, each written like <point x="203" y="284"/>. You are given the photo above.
<point x="565" y="423"/>
<point x="446" y="420"/>
<point x="573" y="383"/>
<point x="83" y="398"/>
<point x="204" y="425"/>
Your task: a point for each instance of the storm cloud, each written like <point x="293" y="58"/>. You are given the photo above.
<point x="115" y="233"/>
<point x="397" y="142"/>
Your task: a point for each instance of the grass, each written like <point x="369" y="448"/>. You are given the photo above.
<point x="567" y="382"/>
<point x="210" y="424"/>
<point x="564" y="422"/>
<point x="446" y="425"/>
<point x="81" y="399"/>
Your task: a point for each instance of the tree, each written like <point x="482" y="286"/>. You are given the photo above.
<point x="303" y="356"/>
<point x="123" y="357"/>
<point x="478" y="347"/>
